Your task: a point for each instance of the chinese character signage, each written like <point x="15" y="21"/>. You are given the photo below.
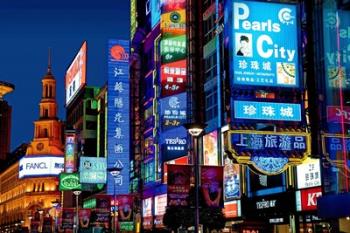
<point x="173" y="110"/>
<point x="269" y="152"/>
<point x="70" y="153"/>
<point x="336" y="59"/>
<point x="338" y="114"/>
<point x="334" y="146"/>
<point x="306" y="199"/>
<point x="118" y="118"/>
<point x="232" y="209"/>
<point x="231" y="180"/>
<point x="93" y="170"/>
<point x="266" y="111"/>
<point x="210" y="149"/>
<point x="178" y="184"/>
<point x="174" y="143"/>
<point x="265" y="46"/>
<point x="173" y="78"/>
<point x="212" y="185"/>
<point x="309" y="174"/>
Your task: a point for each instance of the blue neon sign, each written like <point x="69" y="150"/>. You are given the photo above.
<point x="173" y="110"/>
<point x="265" y="46"/>
<point x="335" y="146"/>
<point x="266" y="111"/>
<point x="118" y="118"/>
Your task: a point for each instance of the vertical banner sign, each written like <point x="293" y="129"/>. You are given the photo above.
<point x="67" y="218"/>
<point x="212" y="186"/>
<point x="265" y="46"/>
<point x="118" y="118"/>
<point x="173" y="47"/>
<point x="210" y="148"/>
<point x="125" y="207"/>
<point x="70" y="151"/>
<point x="178" y="184"/>
<point x="231" y="179"/>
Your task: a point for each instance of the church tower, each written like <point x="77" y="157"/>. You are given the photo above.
<point x="47" y="129"/>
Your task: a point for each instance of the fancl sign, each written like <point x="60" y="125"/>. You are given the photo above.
<point x="265" y="45"/>
<point x="40" y="166"/>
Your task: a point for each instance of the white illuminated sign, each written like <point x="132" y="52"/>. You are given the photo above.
<point x="309" y="174"/>
<point x="41" y="166"/>
<point x="160" y="203"/>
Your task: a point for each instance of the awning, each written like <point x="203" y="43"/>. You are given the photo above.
<point x="334" y="205"/>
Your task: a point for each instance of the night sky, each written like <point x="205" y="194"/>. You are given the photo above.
<point x="29" y="27"/>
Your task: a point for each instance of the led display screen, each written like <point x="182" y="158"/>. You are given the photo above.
<point x="118" y="116"/>
<point x="76" y="74"/>
<point x="265" y="46"/>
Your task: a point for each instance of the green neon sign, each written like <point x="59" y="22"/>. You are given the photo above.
<point x="69" y="181"/>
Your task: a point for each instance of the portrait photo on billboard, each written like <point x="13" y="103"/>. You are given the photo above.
<point x="125" y="204"/>
<point x="212" y="186"/>
<point x="244" y="44"/>
<point x="210" y="149"/>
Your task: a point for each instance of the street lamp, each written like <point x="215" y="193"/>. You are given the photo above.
<point x="77" y="193"/>
<point x="115" y="172"/>
<point x="55" y="204"/>
<point x="196" y="129"/>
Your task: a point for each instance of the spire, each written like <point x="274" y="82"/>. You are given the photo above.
<point x="49" y="62"/>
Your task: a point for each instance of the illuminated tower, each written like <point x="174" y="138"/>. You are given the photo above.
<point x="5" y="120"/>
<point x="47" y="129"/>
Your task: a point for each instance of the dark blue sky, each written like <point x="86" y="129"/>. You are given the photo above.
<point x="29" y="27"/>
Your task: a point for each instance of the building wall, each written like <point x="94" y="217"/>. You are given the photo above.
<point x="5" y="128"/>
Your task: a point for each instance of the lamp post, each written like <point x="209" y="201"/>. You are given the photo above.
<point x="196" y="129"/>
<point x="77" y="193"/>
<point x="115" y="172"/>
<point x="55" y="204"/>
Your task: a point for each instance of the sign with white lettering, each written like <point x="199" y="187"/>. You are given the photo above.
<point x="252" y="110"/>
<point x="173" y="110"/>
<point x="174" y="143"/>
<point x="269" y="152"/>
<point x="338" y="114"/>
<point x="40" y="166"/>
<point x="265" y="46"/>
<point x="309" y="174"/>
<point x="306" y="199"/>
<point x="335" y="145"/>
<point x="118" y="116"/>
<point x="93" y="170"/>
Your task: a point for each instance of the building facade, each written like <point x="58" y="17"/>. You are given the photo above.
<point x="5" y="120"/>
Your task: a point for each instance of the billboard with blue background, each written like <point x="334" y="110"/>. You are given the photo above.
<point x="118" y="116"/>
<point x="265" y="46"/>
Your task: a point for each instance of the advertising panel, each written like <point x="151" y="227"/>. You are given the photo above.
<point x="160" y="203"/>
<point x="147" y="207"/>
<point x="336" y="60"/>
<point x="210" y="149"/>
<point x="174" y="143"/>
<point x="68" y="218"/>
<point x="125" y="208"/>
<point x="173" y="78"/>
<point x="155" y="12"/>
<point x="70" y="153"/>
<point x="75" y="77"/>
<point x="69" y="181"/>
<point x="118" y="131"/>
<point x="212" y="186"/>
<point x="232" y="187"/>
<point x="266" y="111"/>
<point x="335" y="145"/>
<point x="265" y="46"/>
<point x="93" y="170"/>
<point x="40" y="166"/>
<point x="173" y="23"/>
<point x="269" y="152"/>
<point x="173" y="110"/>
<point x="232" y="209"/>
<point x="338" y="114"/>
<point x="309" y="174"/>
<point x="259" y="185"/>
<point x="306" y="199"/>
<point x="84" y="218"/>
<point x="173" y="49"/>
<point x="178" y="184"/>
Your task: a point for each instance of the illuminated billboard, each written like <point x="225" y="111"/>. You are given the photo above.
<point x="265" y="46"/>
<point x="75" y="77"/>
<point x="118" y="115"/>
<point x="266" y="111"/>
<point x="309" y="174"/>
<point x="306" y="199"/>
<point x="210" y="149"/>
<point x="93" y="170"/>
<point x="36" y="166"/>
<point x="69" y="181"/>
<point x="173" y="22"/>
<point x="173" y="110"/>
<point x="173" y="78"/>
<point x="173" y="49"/>
<point x="232" y="186"/>
<point x="70" y="153"/>
<point x="174" y="143"/>
<point x="155" y="12"/>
